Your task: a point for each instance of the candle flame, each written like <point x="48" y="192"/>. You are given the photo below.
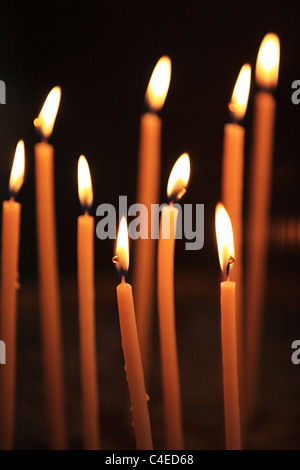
<point x="17" y="171"/>
<point x="159" y="84"/>
<point x="267" y="63"/>
<point x="85" y="189"/>
<point x="224" y="236"/>
<point x="240" y="95"/>
<point x="46" y="119"/>
<point x="122" y="250"/>
<point x="179" y="177"/>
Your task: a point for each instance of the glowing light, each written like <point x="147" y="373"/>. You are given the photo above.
<point x="18" y="168"/>
<point x="267" y="64"/>
<point x="179" y="177"/>
<point x="122" y="249"/>
<point x="240" y="95"/>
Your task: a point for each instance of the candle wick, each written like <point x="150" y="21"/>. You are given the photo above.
<point x="123" y="279"/>
<point x="230" y="261"/>
<point x="12" y="198"/>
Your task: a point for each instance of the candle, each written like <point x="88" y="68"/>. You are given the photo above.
<point x="232" y="191"/>
<point x="228" y="331"/>
<point x="130" y="344"/>
<point x="147" y="194"/>
<point x="11" y="216"/>
<point x="177" y="183"/>
<point x="48" y="272"/>
<point x="266" y="75"/>
<point x="86" y="300"/>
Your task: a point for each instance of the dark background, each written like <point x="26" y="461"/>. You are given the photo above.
<point x="102" y="55"/>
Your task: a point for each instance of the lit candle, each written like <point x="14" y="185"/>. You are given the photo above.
<point x="232" y="190"/>
<point x="177" y="183"/>
<point x="228" y="332"/>
<point x="9" y="284"/>
<point x="130" y="345"/>
<point x="266" y="75"/>
<point x="86" y="293"/>
<point x="147" y="194"/>
<point x="48" y="272"/>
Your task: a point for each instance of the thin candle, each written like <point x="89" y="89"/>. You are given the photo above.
<point x="266" y="76"/>
<point x="177" y="183"/>
<point x="86" y="300"/>
<point x="233" y="189"/>
<point x="148" y="185"/>
<point x="130" y="345"/>
<point x="11" y="218"/>
<point x="228" y="331"/>
<point x="48" y="272"/>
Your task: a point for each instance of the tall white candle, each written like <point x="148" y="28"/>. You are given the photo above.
<point x="11" y="217"/>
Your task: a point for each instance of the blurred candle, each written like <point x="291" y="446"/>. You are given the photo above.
<point x="86" y="293"/>
<point x="266" y="75"/>
<point x="9" y="284"/>
<point x="148" y="185"/>
<point x="177" y="183"/>
<point x="130" y="345"/>
<point x="48" y="272"/>
<point x="232" y="191"/>
<point x="228" y="331"/>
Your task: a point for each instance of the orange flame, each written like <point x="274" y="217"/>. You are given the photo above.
<point x="267" y="64"/>
<point x="240" y="95"/>
<point x="159" y="84"/>
<point x="46" y="119"/>
<point x="18" y="168"/>
<point x="224" y="236"/>
<point x="179" y="177"/>
<point x="122" y="250"/>
<point x="85" y="189"/>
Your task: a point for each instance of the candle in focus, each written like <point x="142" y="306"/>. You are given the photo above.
<point x="9" y="284"/>
<point x="232" y="192"/>
<point x="48" y="272"/>
<point x="130" y="345"/>
<point x="228" y="331"/>
<point x="266" y="75"/>
<point x="177" y="183"/>
<point x="147" y="194"/>
<point x="86" y="294"/>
